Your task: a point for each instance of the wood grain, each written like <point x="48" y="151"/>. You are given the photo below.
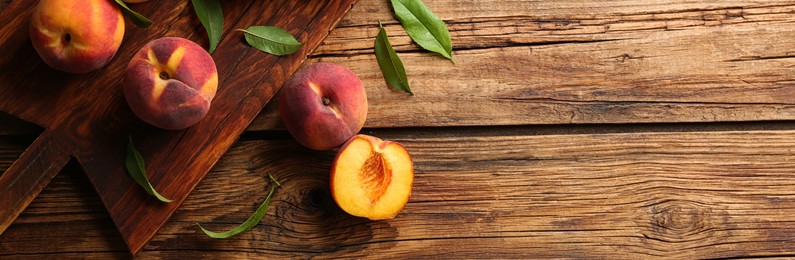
<point x="85" y="116"/>
<point x="572" y="62"/>
<point x="29" y="174"/>
<point x="519" y="147"/>
<point x="478" y="192"/>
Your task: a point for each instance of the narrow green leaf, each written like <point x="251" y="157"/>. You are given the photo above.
<point x="135" y="167"/>
<point x="138" y="19"/>
<point x="271" y="39"/>
<point x="424" y="27"/>
<point x="212" y="17"/>
<point x="390" y="64"/>
<point x="251" y="222"/>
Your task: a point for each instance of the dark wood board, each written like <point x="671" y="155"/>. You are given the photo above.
<point x="85" y="117"/>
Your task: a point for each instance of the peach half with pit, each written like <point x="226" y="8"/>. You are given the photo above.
<point x="76" y="36"/>
<point x="323" y="105"/>
<point x="170" y="83"/>
<point x="372" y="178"/>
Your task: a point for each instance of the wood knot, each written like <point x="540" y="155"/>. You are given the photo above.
<point x="679" y="217"/>
<point x="679" y="220"/>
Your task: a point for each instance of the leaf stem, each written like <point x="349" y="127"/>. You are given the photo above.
<point x="274" y="180"/>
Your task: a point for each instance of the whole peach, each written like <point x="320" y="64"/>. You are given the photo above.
<point x="323" y="105"/>
<point x="76" y="36"/>
<point x="170" y="83"/>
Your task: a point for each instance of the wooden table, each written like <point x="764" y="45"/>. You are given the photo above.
<point x="568" y="128"/>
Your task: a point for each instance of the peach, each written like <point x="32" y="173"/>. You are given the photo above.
<point x="76" y="36"/>
<point x="170" y="83"/>
<point x="372" y="178"/>
<point x="323" y="105"/>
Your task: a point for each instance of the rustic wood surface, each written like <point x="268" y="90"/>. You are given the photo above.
<point x="575" y="61"/>
<point x="582" y="129"/>
<point x="85" y="116"/>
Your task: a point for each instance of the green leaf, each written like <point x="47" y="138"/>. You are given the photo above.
<point x="138" y="19"/>
<point x="135" y="167"/>
<point x="271" y="39"/>
<point x="424" y="27"/>
<point x="251" y="222"/>
<point x="390" y="64"/>
<point x="212" y="17"/>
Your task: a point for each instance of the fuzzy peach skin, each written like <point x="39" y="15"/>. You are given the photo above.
<point x="170" y="83"/>
<point x="76" y="36"/>
<point x="323" y="105"/>
<point x="372" y="178"/>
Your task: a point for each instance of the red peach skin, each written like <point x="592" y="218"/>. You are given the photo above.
<point x="170" y="83"/>
<point x="323" y="105"/>
<point x="76" y="36"/>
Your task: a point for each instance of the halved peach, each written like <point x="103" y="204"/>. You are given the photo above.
<point x="372" y="178"/>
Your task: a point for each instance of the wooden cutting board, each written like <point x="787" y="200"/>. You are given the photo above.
<point x="85" y="116"/>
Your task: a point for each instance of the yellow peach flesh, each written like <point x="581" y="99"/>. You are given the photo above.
<point x="372" y="179"/>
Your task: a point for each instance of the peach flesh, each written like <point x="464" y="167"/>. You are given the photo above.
<point x="372" y="178"/>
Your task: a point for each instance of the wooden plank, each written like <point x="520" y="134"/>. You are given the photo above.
<point x="11" y="147"/>
<point x="571" y="61"/>
<point x="495" y="193"/>
<point x="81" y="222"/>
<point x="29" y="174"/>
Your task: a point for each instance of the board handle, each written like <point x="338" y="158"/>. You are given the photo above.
<point x="28" y="175"/>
